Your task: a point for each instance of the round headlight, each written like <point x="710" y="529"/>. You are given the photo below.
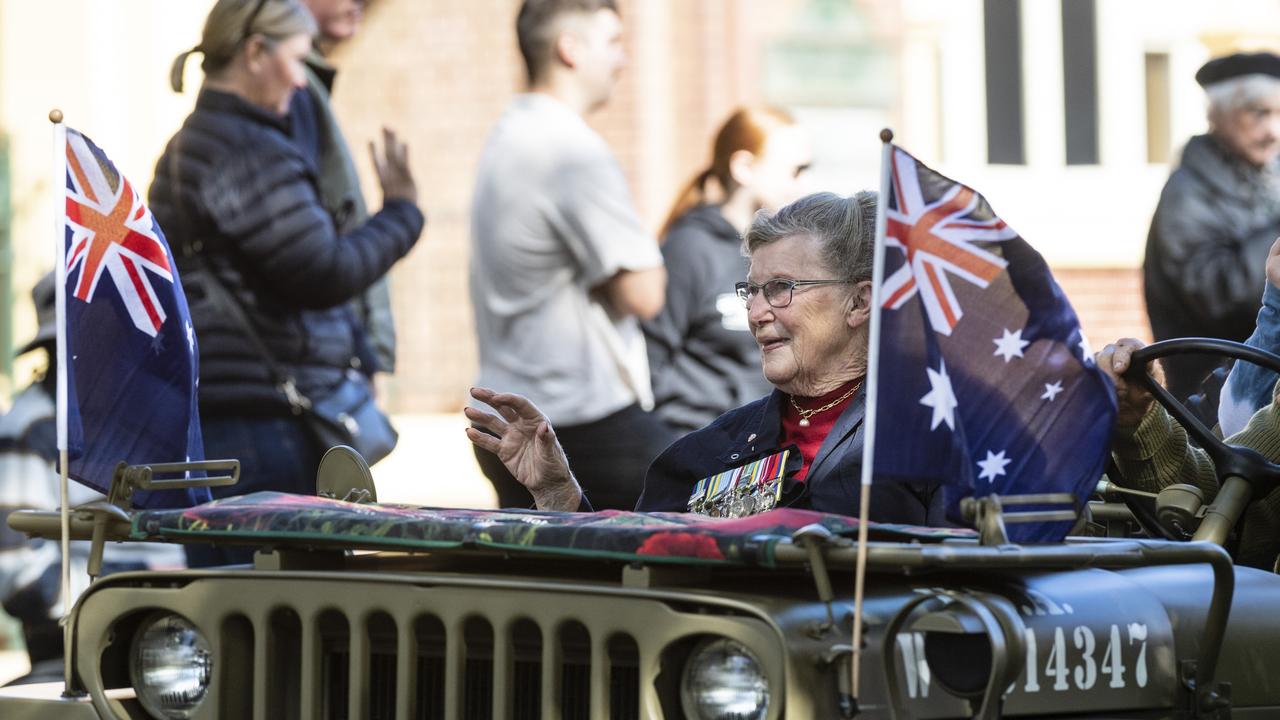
<point x="170" y="665"/>
<point x="723" y="680"/>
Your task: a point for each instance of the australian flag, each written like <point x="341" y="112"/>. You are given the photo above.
<point x="986" y="381"/>
<point x="129" y="355"/>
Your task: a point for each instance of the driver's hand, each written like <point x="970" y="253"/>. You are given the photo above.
<point x="1134" y="399"/>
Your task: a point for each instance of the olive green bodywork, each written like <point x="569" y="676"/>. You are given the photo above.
<point x="396" y="616"/>
<point x="1092" y="629"/>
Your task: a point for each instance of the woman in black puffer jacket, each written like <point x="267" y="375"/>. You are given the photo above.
<point x="239" y="200"/>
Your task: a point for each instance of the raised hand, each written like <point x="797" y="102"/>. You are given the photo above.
<point x="392" y="166"/>
<point x="522" y="438"/>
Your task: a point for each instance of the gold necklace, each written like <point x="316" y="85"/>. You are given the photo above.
<point x="806" y="414"/>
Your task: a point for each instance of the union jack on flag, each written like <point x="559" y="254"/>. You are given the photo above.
<point x="937" y="237"/>
<point x="111" y="229"/>
<point x="129" y="361"/>
<point x="985" y="382"/>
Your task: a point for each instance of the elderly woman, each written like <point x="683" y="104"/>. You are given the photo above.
<point x="268" y="275"/>
<point x="808" y="296"/>
<point x="1217" y="215"/>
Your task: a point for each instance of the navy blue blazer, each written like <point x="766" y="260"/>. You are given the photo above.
<point x="831" y="485"/>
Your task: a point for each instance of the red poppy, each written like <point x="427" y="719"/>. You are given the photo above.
<point x="681" y="544"/>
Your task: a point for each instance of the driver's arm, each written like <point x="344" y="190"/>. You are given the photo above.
<point x="1150" y="448"/>
<point x="1156" y="453"/>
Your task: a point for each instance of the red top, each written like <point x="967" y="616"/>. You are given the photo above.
<point x="809" y="439"/>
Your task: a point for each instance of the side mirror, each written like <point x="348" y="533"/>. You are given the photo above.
<point x="344" y="475"/>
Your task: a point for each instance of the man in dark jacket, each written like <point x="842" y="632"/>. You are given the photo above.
<point x="1217" y="216"/>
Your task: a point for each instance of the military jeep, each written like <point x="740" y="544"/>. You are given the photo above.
<point x="353" y="609"/>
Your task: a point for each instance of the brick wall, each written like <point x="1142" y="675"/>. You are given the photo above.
<point x="1108" y="301"/>
<point x="454" y="69"/>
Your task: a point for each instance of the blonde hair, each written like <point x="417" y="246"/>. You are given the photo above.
<point x="231" y="22"/>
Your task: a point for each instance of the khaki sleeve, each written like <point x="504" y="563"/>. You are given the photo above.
<point x="1158" y="454"/>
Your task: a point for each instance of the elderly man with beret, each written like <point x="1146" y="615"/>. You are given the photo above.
<point x="1218" y="215"/>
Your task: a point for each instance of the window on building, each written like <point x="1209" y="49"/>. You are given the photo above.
<point x="1159" y="141"/>
<point x="1002" y="29"/>
<point x="1080" y="80"/>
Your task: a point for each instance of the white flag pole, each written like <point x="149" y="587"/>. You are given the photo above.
<point x="59" y="181"/>
<point x="872" y="385"/>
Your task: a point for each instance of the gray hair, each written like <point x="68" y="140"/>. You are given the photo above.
<point x="845" y="227"/>
<point x="1238" y="92"/>
<point x="231" y="22"/>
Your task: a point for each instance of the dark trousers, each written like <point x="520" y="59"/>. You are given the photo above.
<point x="609" y="457"/>
<point x="275" y="453"/>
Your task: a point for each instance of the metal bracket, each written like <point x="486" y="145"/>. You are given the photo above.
<point x="102" y="513"/>
<point x="1213" y="701"/>
<point x="841" y="658"/>
<point x="814" y="538"/>
<point x="128" y="479"/>
<point x="988" y="516"/>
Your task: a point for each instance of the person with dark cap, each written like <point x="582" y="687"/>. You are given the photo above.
<point x="30" y="584"/>
<point x="1217" y="216"/>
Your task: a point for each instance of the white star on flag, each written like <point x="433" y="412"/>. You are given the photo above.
<point x="1051" y="390"/>
<point x="1085" y="350"/>
<point x="941" y="398"/>
<point x="992" y="466"/>
<point x="191" y="337"/>
<point x="1010" y="345"/>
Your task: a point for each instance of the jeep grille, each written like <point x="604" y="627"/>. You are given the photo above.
<point x="377" y="648"/>
<point x="563" y="669"/>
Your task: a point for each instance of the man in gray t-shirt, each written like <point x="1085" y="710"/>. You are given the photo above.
<point x="561" y="269"/>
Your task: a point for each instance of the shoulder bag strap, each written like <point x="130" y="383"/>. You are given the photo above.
<point x="228" y="302"/>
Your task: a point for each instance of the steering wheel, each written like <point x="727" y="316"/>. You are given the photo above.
<point x="1243" y="473"/>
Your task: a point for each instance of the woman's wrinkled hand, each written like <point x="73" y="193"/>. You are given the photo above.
<point x="1134" y="399"/>
<point x="522" y="438"/>
<point x="392" y="166"/>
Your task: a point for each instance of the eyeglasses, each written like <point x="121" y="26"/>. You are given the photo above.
<point x="247" y="30"/>
<point x="777" y="292"/>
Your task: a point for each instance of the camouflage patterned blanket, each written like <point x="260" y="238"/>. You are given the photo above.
<point x="677" y="538"/>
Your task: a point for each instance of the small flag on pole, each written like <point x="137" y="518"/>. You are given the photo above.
<point x="985" y="379"/>
<point x="127" y="358"/>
